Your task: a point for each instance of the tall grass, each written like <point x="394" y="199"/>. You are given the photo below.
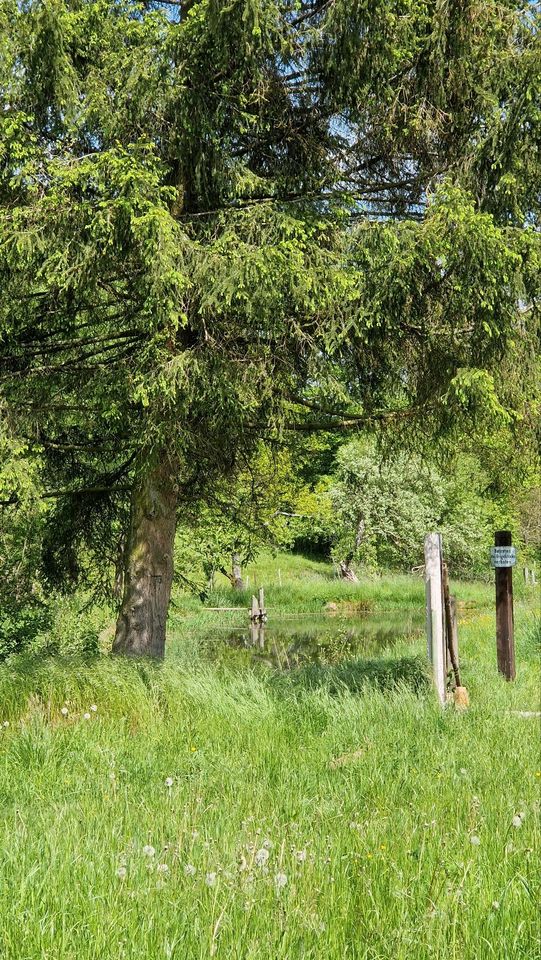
<point x="331" y="813"/>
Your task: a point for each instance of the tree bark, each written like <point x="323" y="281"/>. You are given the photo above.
<point x="236" y="572"/>
<point x="346" y="570"/>
<point x="148" y="564"/>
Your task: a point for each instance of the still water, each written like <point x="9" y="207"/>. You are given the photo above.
<point x="285" y="643"/>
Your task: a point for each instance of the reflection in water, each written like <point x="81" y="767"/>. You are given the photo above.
<point x="285" y="644"/>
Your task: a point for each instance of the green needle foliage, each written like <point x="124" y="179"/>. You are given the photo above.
<point x="221" y="222"/>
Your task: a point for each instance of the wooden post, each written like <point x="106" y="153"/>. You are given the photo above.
<point x="505" y="643"/>
<point x="262" y="611"/>
<point x="449" y="603"/>
<point x="434" y="612"/>
<point x="254" y="615"/>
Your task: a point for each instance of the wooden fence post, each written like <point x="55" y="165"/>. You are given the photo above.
<point x="436" y="646"/>
<point x="503" y="560"/>
<point x="261" y="601"/>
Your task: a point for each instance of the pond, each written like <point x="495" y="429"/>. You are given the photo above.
<point x="288" y="642"/>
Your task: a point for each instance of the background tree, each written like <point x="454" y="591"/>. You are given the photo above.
<point x="243" y="513"/>
<point x="224" y="222"/>
<point x="385" y="504"/>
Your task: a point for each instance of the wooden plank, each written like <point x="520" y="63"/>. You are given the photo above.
<point x="434" y="612"/>
<point x="226" y="608"/>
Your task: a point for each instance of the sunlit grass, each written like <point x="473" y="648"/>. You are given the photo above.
<point x="199" y="812"/>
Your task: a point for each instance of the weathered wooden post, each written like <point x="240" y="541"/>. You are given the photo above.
<point x="258" y="613"/>
<point x="503" y="558"/>
<point x="262" y="611"/>
<point x="435" y="635"/>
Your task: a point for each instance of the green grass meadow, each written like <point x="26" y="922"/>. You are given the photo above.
<point x="334" y="812"/>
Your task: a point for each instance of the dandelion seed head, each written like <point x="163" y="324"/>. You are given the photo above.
<point x="517" y="821"/>
<point x="162" y="868"/>
<point x="300" y="856"/>
<point x="210" y="879"/>
<point x="268" y="844"/>
<point x="86" y="716"/>
<point x="93" y="707"/>
<point x="475" y="840"/>
<point x="169" y="781"/>
<point x="189" y="870"/>
<point x="495" y="904"/>
<point x="261" y="857"/>
<point x="121" y="872"/>
<point x="63" y="711"/>
<point x="280" y="881"/>
<point x="149" y="850"/>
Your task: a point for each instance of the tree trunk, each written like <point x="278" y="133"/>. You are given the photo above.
<point x="148" y="564"/>
<point x="346" y="570"/>
<point x="236" y="571"/>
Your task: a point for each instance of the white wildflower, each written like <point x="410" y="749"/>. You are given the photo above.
<point x="121" y="872"/>
<point x="148" y="850"/>
<point x="517" y="821"/>
<point x="495" y="904"/>
<point x="300" y="856"/>
<point x="6" y="722"/>
<point x="210" y="879"/>
<point x="64" y="711"/>
<point x="261" y="857"/>
<point x="280" y="881"/>
<point x="86" y="716"/>
<point x="189" y="870"/>
<point x="162" y="868"/>
<point x="169" y="781"/>
<point x="475" y="840"/>
<point x="267" y="844"/>
<point x="93" y="707"/>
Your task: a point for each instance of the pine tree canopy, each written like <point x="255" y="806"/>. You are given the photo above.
<point x="221" y="221"/>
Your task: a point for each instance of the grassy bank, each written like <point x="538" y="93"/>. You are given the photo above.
<point x="295" y="583"/>
<point x="327" y="814"/>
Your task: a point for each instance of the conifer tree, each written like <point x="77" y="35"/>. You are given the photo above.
<point x="227" y="221"/>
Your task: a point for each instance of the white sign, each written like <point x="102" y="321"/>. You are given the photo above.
<point x="503" y="556"/>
